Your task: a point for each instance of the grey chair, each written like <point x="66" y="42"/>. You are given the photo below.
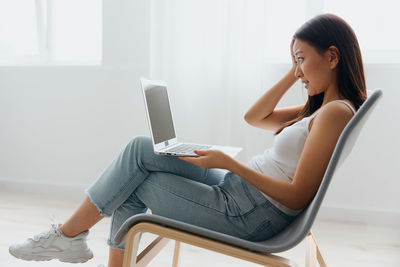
<point x="257" y="252"/>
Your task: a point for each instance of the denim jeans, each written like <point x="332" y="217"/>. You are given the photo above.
<point x="138" y="179"/>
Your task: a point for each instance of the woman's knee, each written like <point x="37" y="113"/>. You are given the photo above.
<point x="140" y="139"/>
<point x="140" y="143"/>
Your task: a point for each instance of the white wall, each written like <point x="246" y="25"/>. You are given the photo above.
<point x="368" y="183"/>
<point x="63" y="125"/>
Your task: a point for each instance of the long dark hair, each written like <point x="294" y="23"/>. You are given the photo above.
<point x="322" y="32"/>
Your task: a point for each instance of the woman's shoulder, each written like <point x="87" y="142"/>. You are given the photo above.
<point x="339" y="107"/>
<point x="334" y="114"/>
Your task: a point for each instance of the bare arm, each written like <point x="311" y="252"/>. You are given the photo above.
<point x="317" y="151"/>
<point x="263" y="114"/>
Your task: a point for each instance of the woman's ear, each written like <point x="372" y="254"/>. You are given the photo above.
<point x="334" y="56"/>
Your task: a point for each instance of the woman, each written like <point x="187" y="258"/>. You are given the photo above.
<point x="253" y="201"/>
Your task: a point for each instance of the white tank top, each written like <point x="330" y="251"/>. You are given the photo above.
<point x="280" y="161"/>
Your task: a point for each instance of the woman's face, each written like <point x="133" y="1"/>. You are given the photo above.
<point x="314" y="69"/>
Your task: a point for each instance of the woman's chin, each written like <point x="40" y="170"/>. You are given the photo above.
<point x="314" y="93"/>
<point x="311" y="93"/>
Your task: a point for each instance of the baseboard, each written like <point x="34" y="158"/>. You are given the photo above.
<point x="331" y="213"/>
<point x="42" y="188"/>
<point x="358" y="215"/>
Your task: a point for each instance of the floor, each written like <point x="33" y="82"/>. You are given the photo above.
<point x="342" y="244"/>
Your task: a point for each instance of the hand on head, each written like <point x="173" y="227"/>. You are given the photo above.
<point x="291" y="53"/>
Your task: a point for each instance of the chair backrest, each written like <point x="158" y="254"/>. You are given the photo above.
<point x="296" y="231"/>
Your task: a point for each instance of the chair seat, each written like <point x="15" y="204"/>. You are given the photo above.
<point x="276" y="244"/>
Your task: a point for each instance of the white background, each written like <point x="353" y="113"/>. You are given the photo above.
<point x="61" y="126"/>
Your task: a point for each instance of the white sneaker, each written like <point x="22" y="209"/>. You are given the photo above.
<point x="53" y="244"/>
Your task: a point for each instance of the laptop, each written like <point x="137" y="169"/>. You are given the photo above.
<point x="161" y="124"/>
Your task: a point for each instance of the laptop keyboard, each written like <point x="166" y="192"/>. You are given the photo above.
<point x="187" y="148"/>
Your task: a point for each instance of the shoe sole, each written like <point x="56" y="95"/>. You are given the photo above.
<point x="48" y="258"/>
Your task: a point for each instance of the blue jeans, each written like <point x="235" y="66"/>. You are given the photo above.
<point x="138" y="179"/>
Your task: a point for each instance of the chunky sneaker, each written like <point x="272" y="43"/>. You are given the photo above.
<point x="53" y="244"/>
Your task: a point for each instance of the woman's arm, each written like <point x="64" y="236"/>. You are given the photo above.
<point x="314" y="159"/>
<point x="263" y="114"/>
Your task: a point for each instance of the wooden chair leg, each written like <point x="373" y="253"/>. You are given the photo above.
<point x="313" y="253"/>
<point x="175" y="262"/>
<point x="131" y="257"/>
<point x="133" y="250"/>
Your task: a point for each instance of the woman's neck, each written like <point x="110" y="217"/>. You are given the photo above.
<point x="332" y="93"/>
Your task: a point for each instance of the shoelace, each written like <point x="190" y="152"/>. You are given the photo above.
<point x="53" y="230"/>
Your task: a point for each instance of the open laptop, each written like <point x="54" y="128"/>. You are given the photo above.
<point x="161" y="124"/>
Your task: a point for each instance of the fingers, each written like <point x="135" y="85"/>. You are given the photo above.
<point x="291" y="52"/>
<point x="291" y="45"/>
<point x="201" y="152"/>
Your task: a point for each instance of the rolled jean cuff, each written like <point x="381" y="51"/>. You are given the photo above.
<point x="111" y="244"/>
<point x="100" y="210"/>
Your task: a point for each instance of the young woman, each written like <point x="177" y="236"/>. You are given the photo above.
<point x="253" y="201"/>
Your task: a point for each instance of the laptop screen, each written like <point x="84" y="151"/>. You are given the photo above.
<point x="160" y="115"/>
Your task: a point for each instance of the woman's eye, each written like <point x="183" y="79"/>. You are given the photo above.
<point x="300" y="59"/>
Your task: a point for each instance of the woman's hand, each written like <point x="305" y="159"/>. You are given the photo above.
<point x="209" y="159"/>
<point x="292" y="55"/>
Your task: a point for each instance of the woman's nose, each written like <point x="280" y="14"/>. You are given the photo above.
<point x="298" y="73"/>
